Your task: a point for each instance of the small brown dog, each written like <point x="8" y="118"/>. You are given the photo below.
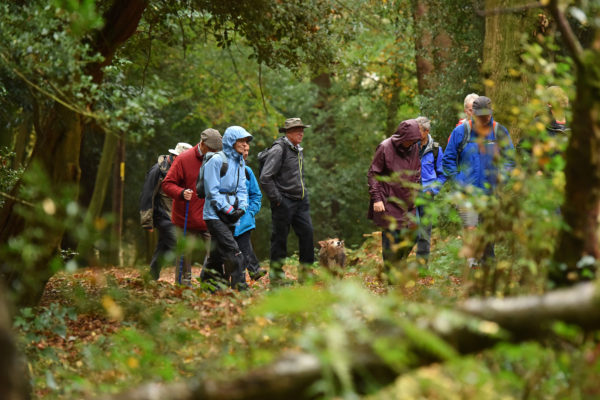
<point x="332" y="255"/>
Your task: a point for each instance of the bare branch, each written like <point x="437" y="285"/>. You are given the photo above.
<point x="260" y="86"/>
<point x="565" y="28"/>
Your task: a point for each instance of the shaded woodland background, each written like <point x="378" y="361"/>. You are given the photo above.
<point x="86" y="86"/>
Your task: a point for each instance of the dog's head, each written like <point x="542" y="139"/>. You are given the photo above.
<point x="331" y="246"/>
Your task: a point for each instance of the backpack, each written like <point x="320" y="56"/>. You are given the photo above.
<point x="467" y="135"/>
<point x="200" y="192"/>
<point x="436" y="151"/>
<point x="263" y="155"/>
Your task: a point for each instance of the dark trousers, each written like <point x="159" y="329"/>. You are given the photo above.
<point x="166" y="243"/>
<point x="251" y="262"/>
<point x="392" y="251"/>
<point x="423" y="235"/>
<point x="224" y="253"/>
<point x="294" y="213"/>
<point x="192" y="238"/>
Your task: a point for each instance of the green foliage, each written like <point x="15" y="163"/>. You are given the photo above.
<point x="36" y="324"/>
<point x="49" y="209"/>
<point x="8" y="175"/>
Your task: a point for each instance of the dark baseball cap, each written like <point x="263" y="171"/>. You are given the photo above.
<point x="482" y="106"/>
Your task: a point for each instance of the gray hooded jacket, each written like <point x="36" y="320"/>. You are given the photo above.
<point x="283" y="172"/>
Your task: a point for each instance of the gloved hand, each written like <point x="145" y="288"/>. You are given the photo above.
<point x="232" y="217"/>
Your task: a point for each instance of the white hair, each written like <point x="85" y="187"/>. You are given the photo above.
<point x="470" y="99"/>
<point x="424" y="123"/>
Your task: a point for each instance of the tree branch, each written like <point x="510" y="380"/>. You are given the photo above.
<point x="528" y="316"/>
<point x="565" y="28"/>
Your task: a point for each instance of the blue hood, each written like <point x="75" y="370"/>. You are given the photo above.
<point x="232" y="135"/>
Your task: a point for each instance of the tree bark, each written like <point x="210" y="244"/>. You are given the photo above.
<point x="117" y="203"/>
<point x="103" y="176"/>
<point x="13" y="371"/>
<point x="423" y="45"/>
<point x="523" y="317"/>
<point x="582" y="192"/>
<point x="22" y="140"/>
<point x="501" y="51"/>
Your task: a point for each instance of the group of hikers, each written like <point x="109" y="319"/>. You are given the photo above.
<point x="479" y="155"/>
<point x="209" y="192"/>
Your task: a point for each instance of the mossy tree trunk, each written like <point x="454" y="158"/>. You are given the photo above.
<point x="501" y="51"/>
<point x="103" y="176"/>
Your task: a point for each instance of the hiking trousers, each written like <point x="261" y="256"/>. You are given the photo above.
<point x="193" y="238"/>
<point x="166" y="242"/>
<point x="396" y="245"/>
<point x="226" y="253"/>
<point x="424" y="235"/>
<point x="294" y="213"/>
<point x="251" y="262"/>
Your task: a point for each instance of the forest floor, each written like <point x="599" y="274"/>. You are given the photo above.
<point x="107" y="329"/>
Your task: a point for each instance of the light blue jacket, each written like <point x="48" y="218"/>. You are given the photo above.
<point x="247" y="221"/>
<point x="221" y="192"/>
<point x="475" y="167"/>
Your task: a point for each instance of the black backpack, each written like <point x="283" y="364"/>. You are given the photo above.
<point x="200" y="192"/>
<point x="435" y="151"/>
<point x="262" y="156"/>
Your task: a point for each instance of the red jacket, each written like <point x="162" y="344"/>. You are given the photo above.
<point x="183" y="175"/>
<point x="397" y="195"/>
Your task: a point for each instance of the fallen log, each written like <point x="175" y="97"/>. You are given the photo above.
<point x="294" y="374"/>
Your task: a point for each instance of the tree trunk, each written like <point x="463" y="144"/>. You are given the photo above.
<point x="56" y="151"/>
<point x="22" y="140"/>
<point x="448" y="49"/>
<point x="117" y="203"/>
<point x="58" y="146"/>
<point x="13" y="369"/>
<point x="579" y="238"/>
<point x="501" y="50"/>
<point x="103" y="176"/>
<point x="423" y="46"/>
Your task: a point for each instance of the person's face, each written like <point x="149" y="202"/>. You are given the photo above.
<point x="483" y="120"/>
<point x="469" y="109"/>
<point x="424" y="134"/>
<point x="295" y="135"/>
<point x="408" y="144"/>
<point x="242" y="146"/>
<point x="205" y="149"/>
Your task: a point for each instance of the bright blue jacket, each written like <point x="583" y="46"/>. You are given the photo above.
<point x="254" y="201"/>
<point x="432" y="176"/>
<point x="474" y="167"/>
<point x="234" y="180"/>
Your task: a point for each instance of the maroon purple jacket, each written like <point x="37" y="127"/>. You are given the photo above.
<point x="391" y="157"/>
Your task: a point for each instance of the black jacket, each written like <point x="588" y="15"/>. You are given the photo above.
<point x="283" y="172"/>
<point x="154" y="203"/>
